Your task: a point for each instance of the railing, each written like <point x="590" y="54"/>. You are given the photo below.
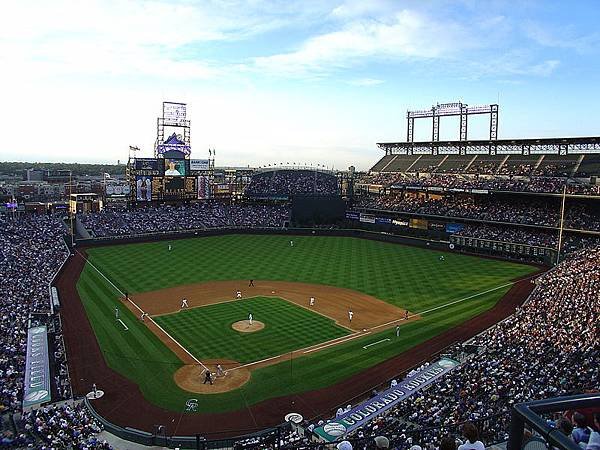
<point x="530" y="414"/>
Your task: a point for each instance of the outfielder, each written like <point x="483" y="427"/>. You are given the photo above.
<point x="291" y="243"/>
<point x="397" y="330"/>
<point x="117" y="313"/>
<point x="169" y="247"/>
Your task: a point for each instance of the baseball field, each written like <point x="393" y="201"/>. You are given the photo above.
<point x="399" y="297"/>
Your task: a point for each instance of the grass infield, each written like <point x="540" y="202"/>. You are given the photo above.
<point x="408" y="277"/>
<point x="206" y="331"/>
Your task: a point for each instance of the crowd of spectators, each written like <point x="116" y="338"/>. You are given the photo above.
<point x="485" y="209"/>
<point x="511" y="184"/>
<point x="31" y="252"/>
<point x="530" y="212"/>
<point x="292" y="182"/>
<point x="191" y="217"/>
<point x="547" y="348"/>
<point x="69" y="425"/>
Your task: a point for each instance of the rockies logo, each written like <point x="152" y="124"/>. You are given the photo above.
<point x="191" y="405"/>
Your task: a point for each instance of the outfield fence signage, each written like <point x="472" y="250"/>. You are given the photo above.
<point x="37" y="368"/>
<point x="363" y="413"/>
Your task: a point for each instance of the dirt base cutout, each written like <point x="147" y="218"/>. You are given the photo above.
<point x="243" y="326"/>
<point x="191" y="377"/>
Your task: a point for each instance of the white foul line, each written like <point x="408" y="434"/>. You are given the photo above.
<point x="123" y="323"/>
<point x="141" y="310"/>
<point x="375" y="343"/>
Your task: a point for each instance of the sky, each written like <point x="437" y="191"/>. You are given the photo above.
<point x="310" y="82"/>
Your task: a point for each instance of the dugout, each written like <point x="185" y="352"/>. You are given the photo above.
<point x="310" y="210"/>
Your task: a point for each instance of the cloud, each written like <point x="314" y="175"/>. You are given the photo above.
<point x="137" y="38"/>
<point x="406" y="34"/>
<point x="569" y="38"/>
<point x="365" y="82"/>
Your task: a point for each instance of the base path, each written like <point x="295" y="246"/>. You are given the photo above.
<point x="124" y="404"/>
<point x="330" y="301"/>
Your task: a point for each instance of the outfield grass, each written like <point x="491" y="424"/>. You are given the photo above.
<point x="408" y="277"/>
<point x="206" y="332"/>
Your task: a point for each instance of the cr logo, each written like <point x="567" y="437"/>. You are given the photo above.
<point x="191" y="405"/>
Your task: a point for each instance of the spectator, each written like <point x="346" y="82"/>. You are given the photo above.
<point x="473" y="443"/>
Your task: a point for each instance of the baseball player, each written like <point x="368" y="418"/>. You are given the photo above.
<point x="207" y="377"/>
<point x="220" y="371"/>
<point x="251" y="283"/>
<point x="170" y="247"/>
<point x="250" y="317"/>
<point x="143" y="317"/>
<point x="406" y="315"/>
<point x="291" y="243"/>
<point x="184" y="303"/>
<point x="311" y="302"/>
<point x="397" y="330"/>
<point x="350" y="315"/>
<point x="238" y="294"/>
<point x="117" y="313"/>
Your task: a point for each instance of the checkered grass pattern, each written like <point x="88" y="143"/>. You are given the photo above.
<point x="206" y="332"/>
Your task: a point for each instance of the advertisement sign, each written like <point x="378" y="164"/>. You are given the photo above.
<point x="437" y="226"/>
<point x="144" y="188"/>
<point x="37" y="368"/>
<point x="146" y="164"/>
<point x="454" y="227"/>
<point x="352" y="215"/>
<point x="174" y="112"/>
<point x="421" y="224"/>
<point x="199" y="164"/>
<point x="363" y="413"/>
<point x="383" y="220"/>
<point x="400" y="222"/>
<point x="367" y="218"/>
<point x="174" y="167"/>
<point x="203" y="188"/>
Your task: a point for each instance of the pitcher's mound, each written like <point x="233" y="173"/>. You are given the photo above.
<point x="245" y="327"/>
<point x="191" y="377"/>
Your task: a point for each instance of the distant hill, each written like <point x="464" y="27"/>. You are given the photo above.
<point x="10" y="168"/>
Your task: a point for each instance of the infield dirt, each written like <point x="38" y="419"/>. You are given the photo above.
<point x="369" y="313"/>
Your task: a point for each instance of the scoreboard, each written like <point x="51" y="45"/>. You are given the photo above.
<point x="159" y="179"/>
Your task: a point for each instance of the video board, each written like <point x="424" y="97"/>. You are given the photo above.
<point x="175" y="167"/>
<point x="143" y="188"/>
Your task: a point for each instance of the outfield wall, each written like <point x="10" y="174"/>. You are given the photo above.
<point x="434" y="243"/>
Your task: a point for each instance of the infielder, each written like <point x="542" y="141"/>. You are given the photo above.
<point x="238" y="294"/>
<point x="350" y="315"/>
<point x="250" y="319"/>
<point x="184" y="303"/>
<point x="311" y="302"/>
<point x="406" y="315"/>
